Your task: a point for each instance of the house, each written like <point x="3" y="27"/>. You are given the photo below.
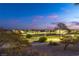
<point x="61" y="31"/>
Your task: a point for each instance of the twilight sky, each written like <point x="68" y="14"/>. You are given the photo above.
<point x="38" y="16"/>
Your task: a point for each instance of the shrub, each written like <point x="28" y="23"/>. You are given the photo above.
<point x="42" y="39"/>
<point x="35" y="41"/>
<point x="25" y="42"/>
<point x="28" y="36"/>
<point x="53" y="43"/>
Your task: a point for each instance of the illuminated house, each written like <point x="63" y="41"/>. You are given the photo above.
<point x="60" y="31"/>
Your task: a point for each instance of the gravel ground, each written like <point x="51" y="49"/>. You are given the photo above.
<point x="58" y="50"/>
<point x="43" y="49"/>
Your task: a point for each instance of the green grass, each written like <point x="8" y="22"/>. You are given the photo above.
<point x="49" y="38"/>
<point x="53" y="38"/>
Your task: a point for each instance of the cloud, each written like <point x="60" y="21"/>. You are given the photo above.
<point x="53" y="16"/>
<point x="40" y="18"/>
<point x="51" y="26"/>
<point x="73" y="25"/>
<point x="70" y="25"/>
<point x="37" y="18"/>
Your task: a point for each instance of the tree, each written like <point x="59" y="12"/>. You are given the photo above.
<point x="66" y="39"/>
<point x="28" y="36"/>
<point x="42" y="39"/>
<point x="62" y="26"/>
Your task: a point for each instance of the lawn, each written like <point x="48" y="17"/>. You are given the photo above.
<point x="49" y="38"/>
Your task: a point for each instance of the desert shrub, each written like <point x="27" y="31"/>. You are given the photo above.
<point x="76" y="40"/>
<point x="53" y="43"/>
<point x="10" y="38"/>
<point x="42" y="39"/>
<point x="67" y="39"/>
<point x="25" y="42"/>
<point x="35" y="41"/>
<point x="28" y="36"/>
<point x="23" y="51"/>
<point x="16" y="51"/>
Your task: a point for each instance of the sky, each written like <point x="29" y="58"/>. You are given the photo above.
<point x="38" y="15"/>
